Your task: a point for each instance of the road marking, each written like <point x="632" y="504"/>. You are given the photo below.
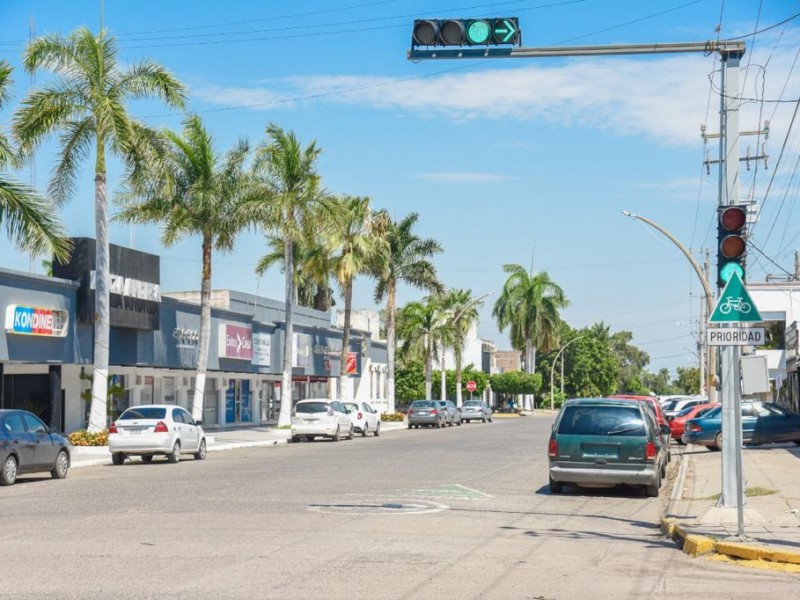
<point x="379" y="508"/>
<point x="454" y="491"/>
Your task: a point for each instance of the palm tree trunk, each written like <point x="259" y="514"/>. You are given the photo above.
<point x="530" y="357"/>
<point x="205" y="332"/>
<point x="459" y="398"/>
<point x="98" y="412"/>
<point x="391" y="301"/>
<point x="443" y="387"/>
<point x="285" y="416"/>
<point x="344" y="381"/>
<point x="428" y="369"/>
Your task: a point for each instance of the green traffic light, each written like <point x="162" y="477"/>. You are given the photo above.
<point x="478" y="32"/>
<point x="727" y="271"/>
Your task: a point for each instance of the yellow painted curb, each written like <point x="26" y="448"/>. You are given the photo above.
<point x="691" y="544"/>
<point x="749" y="552"/>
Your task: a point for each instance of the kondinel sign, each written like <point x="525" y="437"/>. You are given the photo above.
<point x="35" y="320"/>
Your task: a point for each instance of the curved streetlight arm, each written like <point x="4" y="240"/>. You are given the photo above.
<point x="553" y="366"/>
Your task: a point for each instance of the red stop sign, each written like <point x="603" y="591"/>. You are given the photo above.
<point x="471" y="386"/>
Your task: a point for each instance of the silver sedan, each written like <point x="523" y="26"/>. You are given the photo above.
<point x="475" y="410"/>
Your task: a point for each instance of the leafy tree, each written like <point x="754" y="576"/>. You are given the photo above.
<point x="419" y="325"/>
<point x="291" y="191"/>
<point x="688" y="381"/>
<point x="516" y="383"/>
<point x="29" y="220"/>
<point x="593" y="371"/>
<point x="410" y="383"/>
<point x="406" y="260"/>
<point x="86" y="103"/>
<point x="468" y="373"/>
<point x="529" y="305"/>
<point x="658" y="383"/>
<point x="462" y="314"/>
<point x="195" y="193"/>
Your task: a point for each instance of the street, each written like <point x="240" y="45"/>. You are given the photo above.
<point x="462" y="512"/>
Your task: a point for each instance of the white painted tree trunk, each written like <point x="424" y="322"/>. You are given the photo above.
<point x="285" y="416"/>
<point x="428" y="373"/>
<point x="346" y="392"/>
<point x="443" y="387"/>
<point x="390" y="342"/>
<point x="205" y="333"/>
<point x="98" y="412"/>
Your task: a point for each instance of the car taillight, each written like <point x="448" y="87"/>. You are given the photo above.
<point x="112" y="428"/>
<point x="161" y="427"/>
<point x="552" y="448"/>
<point x="650" y="451"/>
<point x="434" y="412"/>
<point x="411" y="411"/>
<point x="692" y="427"/>
<point x="360" y="416"/>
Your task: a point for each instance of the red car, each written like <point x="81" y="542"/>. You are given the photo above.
<point x="651" y="400"/>
<point x="678" y="423"/>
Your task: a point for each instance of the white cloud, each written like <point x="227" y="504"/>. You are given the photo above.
<point x="255" y="98"/>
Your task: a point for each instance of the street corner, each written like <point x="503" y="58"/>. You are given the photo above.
<point x="690" y="543"/>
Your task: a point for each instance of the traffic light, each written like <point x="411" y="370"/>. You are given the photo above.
<point x="731" y="242"/>
<point x="466" y="32"/>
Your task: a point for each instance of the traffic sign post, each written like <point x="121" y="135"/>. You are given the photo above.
<point x="471" y="387"/>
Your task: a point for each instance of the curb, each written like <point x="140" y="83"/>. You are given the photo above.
<point x="698" y="545"/>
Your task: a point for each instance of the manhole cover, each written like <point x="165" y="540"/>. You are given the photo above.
<point x="379" y="508"/>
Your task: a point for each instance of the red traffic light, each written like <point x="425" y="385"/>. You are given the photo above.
<point x="733" y="218"/>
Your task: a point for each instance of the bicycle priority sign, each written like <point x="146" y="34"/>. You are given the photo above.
<point x="735" y="304"/>
<point x="736" y="336"/>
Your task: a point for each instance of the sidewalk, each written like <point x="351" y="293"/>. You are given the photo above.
<point x="216" y="440"/>
<point x="772" y="512"/>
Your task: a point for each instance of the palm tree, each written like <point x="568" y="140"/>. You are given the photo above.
<point x="529" y="304"/>
<point x="419" y="324"/>
<point x="29" y="220"/>
<point x="195" y="193"/>
<point x="86" y="104"/>
<point x="463" y="313"/>
<point x="405" y="261"/>
<point x="291" y="189"/>
<point x="358" y="240"/>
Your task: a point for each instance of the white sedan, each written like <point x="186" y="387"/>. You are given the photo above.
<point x="320" y="417"/>
<point x="156" y="429"/>
<point x="364" y="418"/>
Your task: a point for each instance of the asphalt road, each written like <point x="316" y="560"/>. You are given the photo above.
<point x="462" y="513"/>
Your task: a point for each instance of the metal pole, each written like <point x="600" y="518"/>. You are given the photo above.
<point x="553" y="368"/>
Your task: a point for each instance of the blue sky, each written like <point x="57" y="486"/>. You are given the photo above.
<point x="506" y="161"/>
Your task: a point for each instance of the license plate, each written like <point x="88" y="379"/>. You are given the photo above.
<point x="423" y="412"/>
<point x="134" y="431"/>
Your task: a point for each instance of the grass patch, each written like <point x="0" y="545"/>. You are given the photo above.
<point x="283" y="427"/>
<point x="750" y="492"/>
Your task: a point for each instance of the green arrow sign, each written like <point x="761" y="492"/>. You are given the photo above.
<point x="504" y="31"/>
<point x="735" y="304"/>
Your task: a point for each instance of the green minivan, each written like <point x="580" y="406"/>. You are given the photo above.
<point x="603" y="442"/>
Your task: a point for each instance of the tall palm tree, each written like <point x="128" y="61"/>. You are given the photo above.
<point x="291" y="189"/>
<point x="357" y="240"/>
<point x="529" y="304"/>
<point x="407" y="260"/>
<point x="462" y="314"/>
<point x="86" y="104"/>
<point x="195" y="193"/>
<point x="29" y="220"/>
<point x="419" y="325"/>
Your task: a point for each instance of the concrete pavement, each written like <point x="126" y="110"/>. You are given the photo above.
<point x="772" y="515"/>
<point x="216" y="440"/>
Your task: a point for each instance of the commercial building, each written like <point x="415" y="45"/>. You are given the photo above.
<point x="46" y="347"/>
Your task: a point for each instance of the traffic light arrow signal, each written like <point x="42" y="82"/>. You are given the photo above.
<point x="504" y="30"/>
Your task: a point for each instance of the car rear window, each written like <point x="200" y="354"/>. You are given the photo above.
<point x="143" y="412"/>
<point x="311" y="407"/>
<point x="602" y="420"/>
<point x="472" y="404"/>
<point x="350" y="405"/>
<point x="686" y="411"/>
<point x="424" y="404"/>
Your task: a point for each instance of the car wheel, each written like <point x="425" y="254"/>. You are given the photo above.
<point x="201" y="451"/>
<point x="295" y="439"/>
<point x="410" y="426"/>
<point x="483" y="420"/>
<point x="651" y="491"/>
<point x="466" y="420"/>
<point x="556" y="487"/>
<point x="490" y="419"/>
<point x="175" y="455"/>
<point x="147" y="458"/>
<point x="377" y="429"/>
<point x="117" y="458"/>
<point x="718" y="441"/>
<point x="336" y="437"/>
<point x="663" y="471"/>
<point x="450" y="424"/>
<point x="365" y="430"/>
<point x="352" y="433"/>
<point x="61" y="467"/>
<point x="680" y="441"/>
<point x="438" y="424"/>
<point x="309" y="438"/>
<point x="9" y="473"/>
<point x="458" y="422"/>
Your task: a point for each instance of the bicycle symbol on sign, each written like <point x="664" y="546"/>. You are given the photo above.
<point x="737" y="304"/>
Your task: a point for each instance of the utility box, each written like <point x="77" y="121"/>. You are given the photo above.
<point x="755" y="375"/>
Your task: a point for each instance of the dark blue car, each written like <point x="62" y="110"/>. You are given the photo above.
<point x="28" y="446"/>
<point x="762" y="423"/>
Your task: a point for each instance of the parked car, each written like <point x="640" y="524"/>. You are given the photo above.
<point x="425" y="412"/>
<point x="602" y="442"/>
<point x="476" y="410"/>
<point x="28" y="446"/>
<point x="321" y="417"/>
<point x="364" y="418"/>
<point x="677" y="405"/>
<point x="652" y="403"/>
<point x="762" y="423"/>
<point x="156" y="430"/>
<point x="452" y="415"/>
<point x="677" y="424"/>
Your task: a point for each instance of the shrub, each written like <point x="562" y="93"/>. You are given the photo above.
<point x="397" y="416"/>
<point x="88" y="438"/>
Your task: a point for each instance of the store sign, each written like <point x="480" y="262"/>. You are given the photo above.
<point x="34" y="320"/>
<point x="186" y="338"/>
<point x="235" y="341"/>
<point x="302" y="350"/>
<point x="262" y="349"/>
<point x="352" y="363"/>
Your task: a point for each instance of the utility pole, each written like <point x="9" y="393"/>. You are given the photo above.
<point x="797" y="265"/>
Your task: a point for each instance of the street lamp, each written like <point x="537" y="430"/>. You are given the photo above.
<point x="553" y="367"/>
<point x="712" y="354"/>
